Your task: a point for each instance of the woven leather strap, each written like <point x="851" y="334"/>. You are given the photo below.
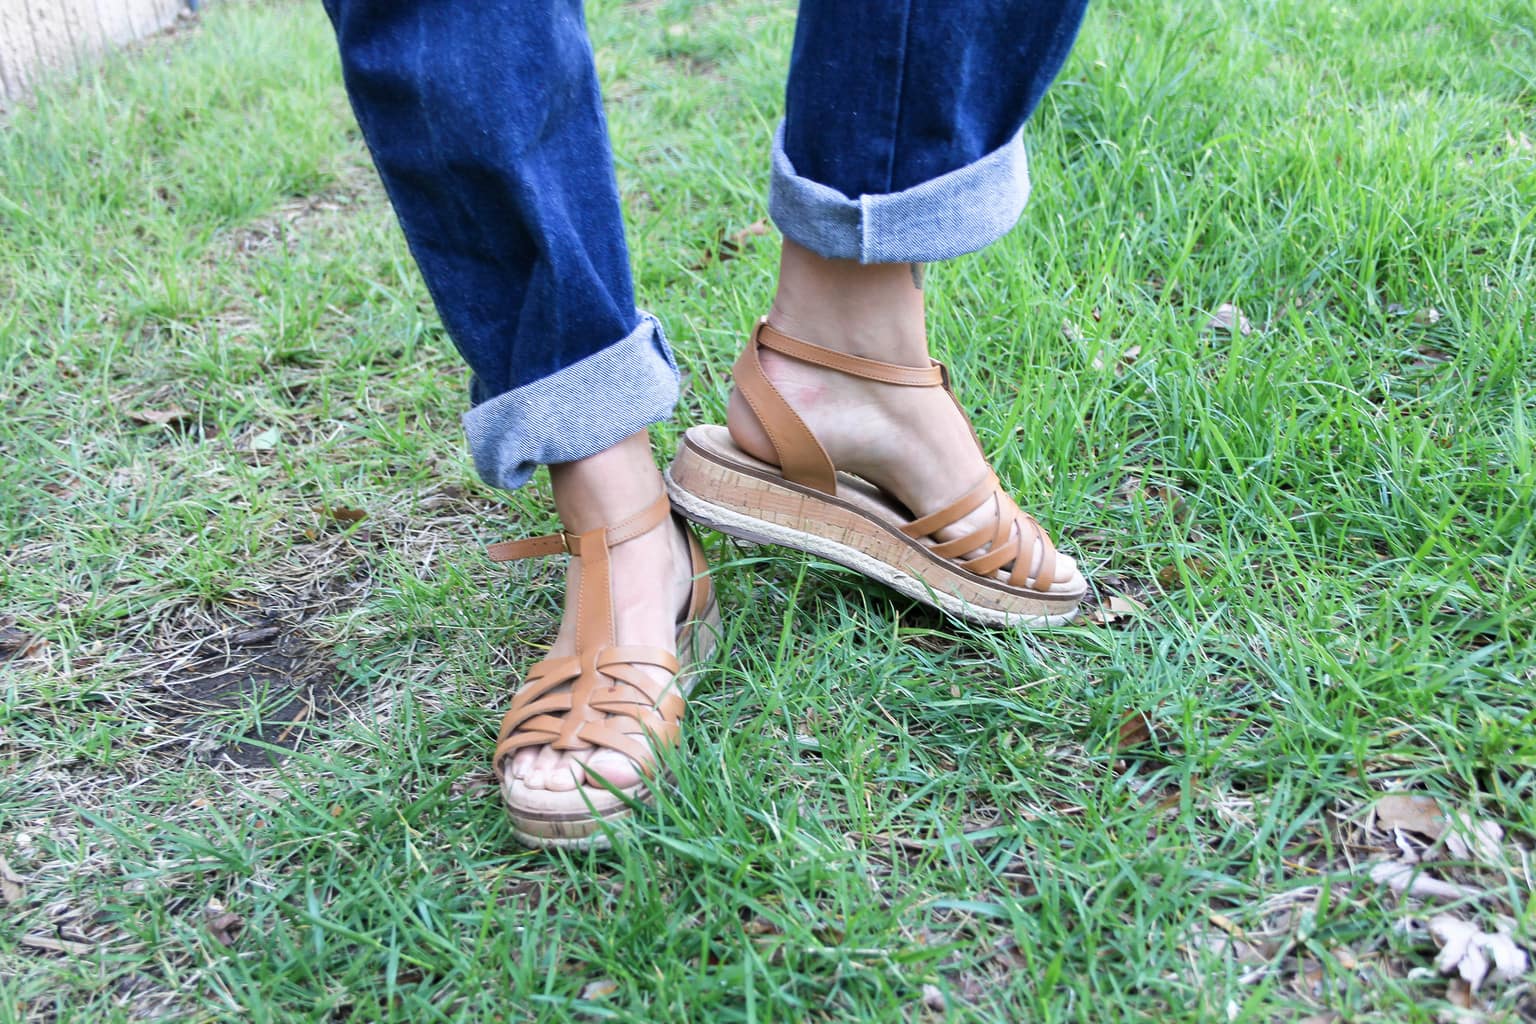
<point x="602" y="680"/>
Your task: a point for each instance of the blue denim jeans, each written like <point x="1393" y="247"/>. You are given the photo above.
<point x="900" y="143"/>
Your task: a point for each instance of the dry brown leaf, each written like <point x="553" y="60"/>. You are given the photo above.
<point x="599" y="989"/>
<point x="1124" y="604"/>
<point x="1135" y="730"/>
<point x="757" y="227"/>
<point x="223" y="925"/>
<point x="10" y="884"/>
<point x="18" y="644"/>
<point x="175" y="416"/>
<point x="1171" y="577"/>
<point x="729" y="248"/>
<point x="342" y="514"/>
<point x="1458" y="993"/>
<point x="1426" y="316"/>
<point x="1230" y="319"/>
<point x="1117" y="608"/>
<point x="1415" y="812"/>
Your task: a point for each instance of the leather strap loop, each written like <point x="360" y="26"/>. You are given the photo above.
<point x="531" y="547"/>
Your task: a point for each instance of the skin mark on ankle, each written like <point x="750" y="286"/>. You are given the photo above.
<point x="918" y="272"/>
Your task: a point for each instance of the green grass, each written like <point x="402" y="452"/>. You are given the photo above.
<point x="1328" y="520"/>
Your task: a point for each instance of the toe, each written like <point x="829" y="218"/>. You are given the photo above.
<point x="544" y="766"/>
<point x="521" y="763"/>
<point x="563" y="779"/>
<point x="613" y="768"/>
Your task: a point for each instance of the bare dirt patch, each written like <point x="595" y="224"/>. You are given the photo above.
<point x="270" y="688"/>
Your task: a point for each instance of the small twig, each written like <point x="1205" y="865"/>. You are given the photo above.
<point x="298" y="720"/>
<point x="58" y="945"/>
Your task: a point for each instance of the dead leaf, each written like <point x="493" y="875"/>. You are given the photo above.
<point x="1404" y="879"/>
<point x="474" y="785"/>
<point x="728" y="248"/>
<point x="1177" y="507"/>
<point x="757" y="227"/>
<point x="1426" y="316"/>
<point x="1469" y="951"/>
<point x="1230" y="319"/>
<point x="1123" y="604"/>
<point x="223" y="925"/>
<point x="1459" y="993"/>
<point x="1135" y="730"/>
<point x="11" y="890"/>
<point x="1475" y="839"/>
<point x="1415" y="812"/>
<point x="259" y="635"/>
<point x="264" y="441"/>
<point x="175" y="416"/>
<point x="1116" y="609"/>
<point x="933" y="999"/>
<point x="342" y="514"/>
<point x="18" y="644"/>
<point x="599" y="989"/>
<point x="1171" y="577"/>
<point x="1072" y="332"/>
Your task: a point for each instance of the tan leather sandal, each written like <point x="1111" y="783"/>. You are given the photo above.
<point x="594" y="699"/>
<point x="805" y="503"/>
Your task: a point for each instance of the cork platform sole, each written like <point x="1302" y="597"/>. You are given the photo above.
<point x="588" y="828"/>
<point x="716" y="484"/>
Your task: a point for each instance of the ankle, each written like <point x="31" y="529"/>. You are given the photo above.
<point x="608" y="487"/>
<point x="872" y="310"/>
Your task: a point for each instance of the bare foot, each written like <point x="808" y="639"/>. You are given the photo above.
<point x="913" y="443"/>
<point x="651" y="582"/>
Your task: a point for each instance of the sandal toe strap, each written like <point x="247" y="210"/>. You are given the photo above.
<point x="1001" y="544"/>
<point x="604" y="686"/>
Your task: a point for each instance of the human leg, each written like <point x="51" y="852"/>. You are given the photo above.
<point x="893" y="153"/>
<point x="485" y="122"/>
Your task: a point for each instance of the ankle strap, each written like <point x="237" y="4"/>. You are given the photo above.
<point x="644" y="521"/>
<point x="928" y="376"/>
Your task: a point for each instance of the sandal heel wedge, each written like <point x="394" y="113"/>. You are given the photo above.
<point x="715" y="484"/>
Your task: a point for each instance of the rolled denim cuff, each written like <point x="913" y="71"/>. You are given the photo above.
<point x="948" y="216"/>
<point x="575" y="412"/>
